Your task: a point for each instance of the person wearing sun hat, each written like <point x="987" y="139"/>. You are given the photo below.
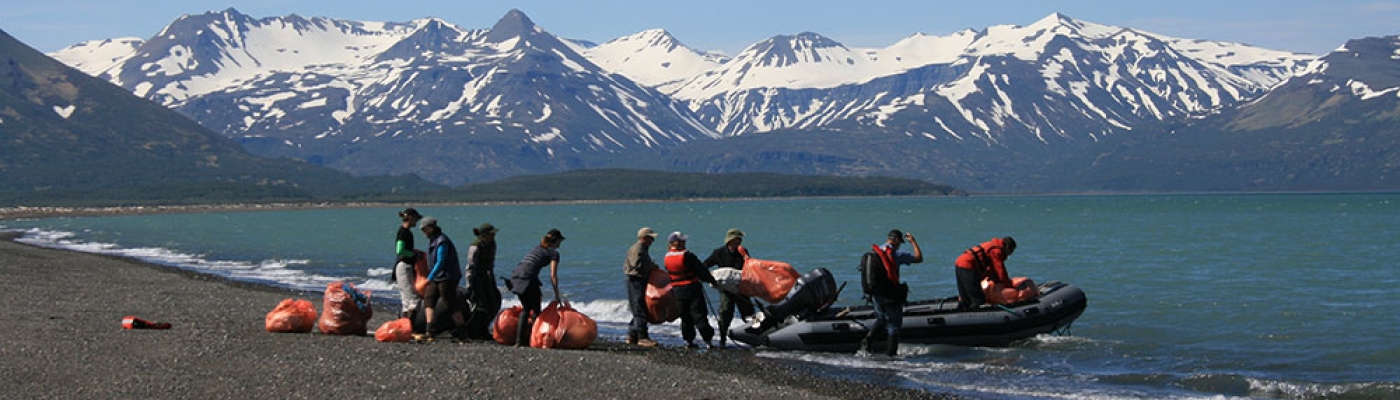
<point x="637" y="267"/>
<point x="482" y="295"/>
<point x="731" y="255"/>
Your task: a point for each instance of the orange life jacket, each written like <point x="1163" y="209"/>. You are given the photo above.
<point x="675" y="265"/>
<point x="887" y="256"/>
<point x="988" y="259"/>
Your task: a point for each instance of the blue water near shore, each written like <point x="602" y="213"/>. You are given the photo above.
<point x="1268" y="296"/>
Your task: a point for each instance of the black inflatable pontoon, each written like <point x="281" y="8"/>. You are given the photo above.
<point x="801" y="322"/>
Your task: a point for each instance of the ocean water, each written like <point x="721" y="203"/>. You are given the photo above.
<point x="1261" y="296"/>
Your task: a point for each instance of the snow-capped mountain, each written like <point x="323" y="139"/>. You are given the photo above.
<point x="457" y="105"/>
<point x="652" y="58"/>
<point x="384" y="98"/>
<point x="1058" y="77"/>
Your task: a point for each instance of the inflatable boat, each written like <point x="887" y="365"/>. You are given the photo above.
<point x="805" y="322"/>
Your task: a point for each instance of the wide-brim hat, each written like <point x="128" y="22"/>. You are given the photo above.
<point x="733" y="233"/>
<point x="484" y="229"/>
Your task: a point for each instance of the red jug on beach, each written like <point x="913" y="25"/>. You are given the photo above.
<point x="662" y="306"/>
<point x="1021" y="289"/>
<point x="345" y="311"/>
<point x="561" y="326"/>
<point x="768" y="280"/>
<point x="132" y="322"/>
<point x="399" y="330"/>
<point x="292" y="316"/>
<point x="506" y="321"/>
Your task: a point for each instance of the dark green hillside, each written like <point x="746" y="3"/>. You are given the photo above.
<point x="69" y="139"/>
<point x="631" y="184"/>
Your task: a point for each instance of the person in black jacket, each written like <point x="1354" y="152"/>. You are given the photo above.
<point x="731" y="255"/>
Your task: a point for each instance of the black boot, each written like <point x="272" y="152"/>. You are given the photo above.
<point x="522" y="330"/>
<point x="892" y="345"/>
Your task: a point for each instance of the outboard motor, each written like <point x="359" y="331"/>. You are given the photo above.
<point x="814" y="291"/>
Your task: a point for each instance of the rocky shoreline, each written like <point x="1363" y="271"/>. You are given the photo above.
<point x="64" y="340"/>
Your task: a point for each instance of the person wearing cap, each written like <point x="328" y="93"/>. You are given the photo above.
<point x="444" y="272"/>
<point x="730" y="255"/>
<point x="637" y="267"/>
<point x="687" y="273"/>
<point x="525" y="282"/>
<point x="482" y="295"/>
<point x="403" y="273"/>
<point x="983" y="261"/>
<point x="889" y="307"/>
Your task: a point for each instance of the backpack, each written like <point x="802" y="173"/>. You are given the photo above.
<point x="872" y="275"/>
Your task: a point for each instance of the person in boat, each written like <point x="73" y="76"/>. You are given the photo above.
<point x="637" y="267"/>
<point x="482" y="293"/>
<point x="444" y="272"/>
<point x="403" y="273"/>
<point x="889" y="301"/>
<point x="687" y="273"/>
<point x="730" y="255"/>
<point x="983" y="261"/>
<point x="525" y="282"/>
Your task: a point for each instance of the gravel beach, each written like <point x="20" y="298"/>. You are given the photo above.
<point x="63" y="340"/>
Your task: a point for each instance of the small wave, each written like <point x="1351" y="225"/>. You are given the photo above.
<point x="273" y="272"/>
<point x="1311" y="390"/>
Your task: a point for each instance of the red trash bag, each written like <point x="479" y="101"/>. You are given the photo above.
<point x="292" y="316"/>
<point x="345" y="311"/>
<point x="399" y="330"/>
<point x="1022" y="289"/>
<point x="420" y="272"/>
<point x="767" y="280"/>
<point x="561" y="326"/>
<point x="507" y="323"/>
<point x="662" y="305"/>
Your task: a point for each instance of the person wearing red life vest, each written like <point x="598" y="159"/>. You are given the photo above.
<point x="686" y="275"/>
<point x="889" y="306"/>
<point x="983" y="261"/>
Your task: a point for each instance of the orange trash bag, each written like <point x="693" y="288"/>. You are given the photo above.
<point x="345" y="310"/>
<point x="1022" y="289"/>
<point x="662" y="306"/>
<point x="399" y="330"/>
<point x="768" y="280"/>
<point x="506" y="324"/>
<point x="561" y="326"/>
<point x="420" y="272"/>
<point x="292" y="316"/>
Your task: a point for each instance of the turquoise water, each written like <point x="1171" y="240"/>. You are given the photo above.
<point x="1289" y="296"/>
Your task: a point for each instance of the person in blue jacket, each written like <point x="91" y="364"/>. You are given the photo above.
<point x="444" y="272"/>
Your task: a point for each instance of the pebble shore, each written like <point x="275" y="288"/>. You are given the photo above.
<point x="63" y="340"/>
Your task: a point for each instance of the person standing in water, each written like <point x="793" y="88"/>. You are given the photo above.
<point x="403" y="273"/>
<point x="525" y="282"/>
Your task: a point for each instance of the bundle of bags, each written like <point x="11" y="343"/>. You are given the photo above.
<point x="1021" y="289"/>
<point x="559" y="325"/>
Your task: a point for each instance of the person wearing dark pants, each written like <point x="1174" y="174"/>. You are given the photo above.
<point x="638" y="267"/>
<point x="889" y="302"/>
<point x="731" y="255"/>
<point x="687" y="273"/>
<point x="525" y="282"/>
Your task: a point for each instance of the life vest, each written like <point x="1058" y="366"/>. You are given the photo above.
<point x="675" y="265"/>
<point x="891" y="268"/>
<point x="987" y="259"/>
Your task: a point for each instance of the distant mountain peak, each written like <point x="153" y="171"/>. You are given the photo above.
<point x="515" y="24"/>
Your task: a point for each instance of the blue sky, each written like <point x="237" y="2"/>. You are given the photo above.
<point x="730" y="25"/>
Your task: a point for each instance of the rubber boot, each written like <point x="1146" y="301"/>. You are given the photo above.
<point x="892" y="346"/>
<point x="522" y="330"/>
